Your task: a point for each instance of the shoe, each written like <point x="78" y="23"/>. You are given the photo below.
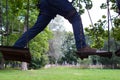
<point x="86" y="51"/>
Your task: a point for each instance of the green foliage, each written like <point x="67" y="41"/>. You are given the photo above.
<point x="38" y="62"/>
<point x="39" y="46"/>
<point x="112" y="5"/>
<point x="88" y="4"/>
<point x="17" y="12"/>
<point x="96" y="34"/>
<point x="79" y="5"/>
<point x="16" y="15"/>
<point x="68" y="49"/>
<point x="116" y="29"/>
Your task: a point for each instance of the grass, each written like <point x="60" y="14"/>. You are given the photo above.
<point x="61" y="73"/>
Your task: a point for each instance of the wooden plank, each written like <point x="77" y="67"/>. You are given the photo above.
<point x="16" y="54"/>
<point x="87" y="54"/>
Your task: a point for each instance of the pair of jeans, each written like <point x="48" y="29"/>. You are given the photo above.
<point x="48" y="10"/>
<point x="118" y="5"/>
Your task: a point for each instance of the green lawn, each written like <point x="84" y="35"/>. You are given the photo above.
<point x="61" y="73"/>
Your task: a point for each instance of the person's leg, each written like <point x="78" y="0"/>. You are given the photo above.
<point x="40" y="24"/>
<point x="76" y="22"/>
<point x="66" y="10"/>
<point x="118" y="5"/>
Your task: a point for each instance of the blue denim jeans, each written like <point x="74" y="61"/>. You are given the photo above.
<point x="49" y="9"/>
<point x="118" y="4"/>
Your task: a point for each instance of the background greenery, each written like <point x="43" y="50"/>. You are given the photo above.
<point x="54" y="45"/>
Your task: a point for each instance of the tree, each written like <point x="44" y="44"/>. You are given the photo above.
<point x="39" y="47"/>
<point x="79" y="5"/>
<point x="55" y="43"/>
<point x="68" y="48"/>
<point x="17" y="18"/>
<point x="99" y="35"/>
<point x="1" y="58"/>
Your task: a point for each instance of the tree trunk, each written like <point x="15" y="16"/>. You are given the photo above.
<point x="2" y="63"/>
<point x="2" y="60"/>
<point x="24" y="64"/>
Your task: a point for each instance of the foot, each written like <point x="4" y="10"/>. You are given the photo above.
<point x="85" y="52"/>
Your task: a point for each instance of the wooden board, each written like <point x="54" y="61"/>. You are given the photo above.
<point x="16" y="54"/>
<point x="87" y="54"/>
